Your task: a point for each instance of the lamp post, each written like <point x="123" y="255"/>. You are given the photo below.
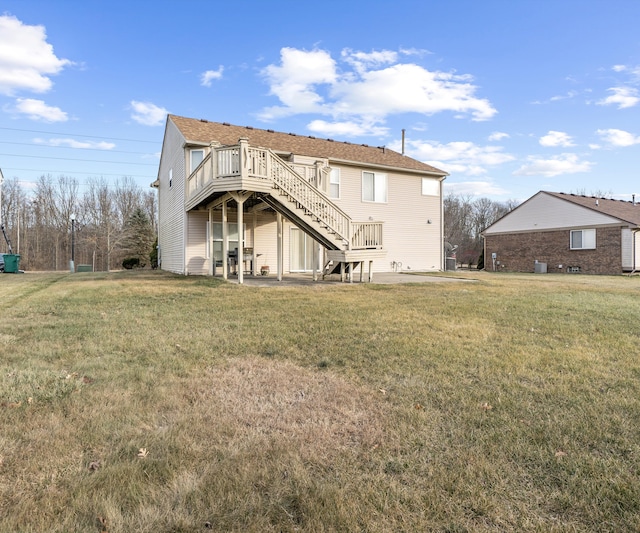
<point x="73" y="243"/>
<point x="1" y="182"/>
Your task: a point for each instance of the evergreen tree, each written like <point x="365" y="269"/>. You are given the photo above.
<point x="138" y="236"/>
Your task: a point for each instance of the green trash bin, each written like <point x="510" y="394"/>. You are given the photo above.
<point x="11" y="263"/>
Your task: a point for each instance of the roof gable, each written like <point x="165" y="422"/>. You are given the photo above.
<point x="552" y="211"/>
<point x="620" y="209"/>
<point x="203" y="131"/>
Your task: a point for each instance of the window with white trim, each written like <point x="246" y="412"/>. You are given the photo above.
<point x="334" y="183"/>
<point x="430" y="187"/>
<point x="233" y="240"/>
<point x="196" y="158"/>
<point x="170" y="178"/>
<point x="583" y="239"/>
<point x="374" y="187"/>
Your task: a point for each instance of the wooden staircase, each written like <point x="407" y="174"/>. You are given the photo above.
<point x="246" y="168"/>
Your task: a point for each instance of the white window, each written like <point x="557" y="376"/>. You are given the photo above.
<point x="196" y="158"/>
<point x="233" y="240"/>
<point x="430" y="187"/>
<point x="374" y="187"/>
<point x="170" y="178"/>
<point x="583" y="239"/>
<point x="334" y="183"/>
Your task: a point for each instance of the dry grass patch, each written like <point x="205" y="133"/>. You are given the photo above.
<point x="150" y="402"/>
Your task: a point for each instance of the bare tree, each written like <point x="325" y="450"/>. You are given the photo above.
<point x="464" y="220"/>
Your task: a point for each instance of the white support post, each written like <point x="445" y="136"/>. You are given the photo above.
<point x="225" y="242"/>
<point x="253" y="243"/>
<point x="314" y="260"/>
<point x="280" y="245"/>
<point x="212" y="259"/>
<point x="370" y="271"/>
<point x="244" y="157"/>
<point x="240" y="253"/>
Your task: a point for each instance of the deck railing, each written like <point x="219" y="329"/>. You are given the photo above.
<point x="250" y="162"/>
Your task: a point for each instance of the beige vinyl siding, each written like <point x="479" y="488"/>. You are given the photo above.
<point x="544" y="212"/>
<point x="172" y="219"/>
<point x="196" y="249"/>
<point x="408" y="237"/>
<point x="630" y="249"/>
<point x="627" y="249"/>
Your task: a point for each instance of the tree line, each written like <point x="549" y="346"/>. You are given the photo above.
<point x="464" y="219"/>
<point x="114" y="223"/>
<point x="110" y="222"/>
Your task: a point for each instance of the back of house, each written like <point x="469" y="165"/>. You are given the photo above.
<point x="237" y="199"/>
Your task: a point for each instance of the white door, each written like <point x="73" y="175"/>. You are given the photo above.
<point x="300" y="251"/>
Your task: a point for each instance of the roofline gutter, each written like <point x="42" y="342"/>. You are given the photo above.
<point x="441" y="174"/>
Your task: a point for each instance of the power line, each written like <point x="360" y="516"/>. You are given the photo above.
<point x="83" y="160"/>
<point x="49" y="171"/>
<point x="79" y="135"/>
<point x="75" y="148"/>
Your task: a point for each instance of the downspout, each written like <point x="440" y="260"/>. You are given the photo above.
<point x="443" y="259"/>
<point x="633" y="249"/>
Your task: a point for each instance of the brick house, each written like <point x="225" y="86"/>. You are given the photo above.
<point x="558" y="232"/>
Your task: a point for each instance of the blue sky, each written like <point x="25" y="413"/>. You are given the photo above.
<point x="509" y="97"/>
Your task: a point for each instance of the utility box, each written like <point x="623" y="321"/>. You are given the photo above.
<point x="11" y="263"/>
<point x="450" y="263"/>
<point x="84" y="268"/>
<point x="540" y="268"/>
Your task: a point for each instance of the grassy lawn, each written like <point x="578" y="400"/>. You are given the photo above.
<point x="149" y="402"/>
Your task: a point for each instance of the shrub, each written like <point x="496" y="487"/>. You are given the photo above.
<point x="132" y="262"/>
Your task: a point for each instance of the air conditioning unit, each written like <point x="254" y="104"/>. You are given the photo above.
<point x="540" y="268"/>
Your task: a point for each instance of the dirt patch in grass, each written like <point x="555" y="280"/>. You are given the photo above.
<point x="266" y="399"/>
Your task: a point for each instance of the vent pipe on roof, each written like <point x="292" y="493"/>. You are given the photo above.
<point x="633" y="199"/>
<point x="403" y="130"/>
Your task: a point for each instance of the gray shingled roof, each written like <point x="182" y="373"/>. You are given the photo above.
<point x="203" y="131"/>
<point x="621" y="209"/>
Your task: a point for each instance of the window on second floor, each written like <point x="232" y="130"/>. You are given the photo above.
<point x="430" y="187"/>
<point x="583" y="239"/>
<point x="170" y="178"/>
<point x="374" y="187"/>
<point x="196" y="158"/>
<point x="334" y="183"/>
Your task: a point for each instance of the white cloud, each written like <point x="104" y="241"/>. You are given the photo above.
<point x="345" y="129"/>
<point x="556" y="138"/>
<point x="370" y="87"/>
<point x="474" y="188"/>
<point x="72" y="143"/>
<point x="560" y="164"/>
<point x="26" y="59"/>
<point x="619" y="68"/>
<point x="208" y="76"/>
<point x="294" y="81"/>
<point x="623" y="97"/>
<point x="37" y="110"/>
<point x="457" y="157"/>
<point x="498" y="136"/>
<point x="361" y="60"/>
<point x="616" y="137"/>
<point x="148" y="114"/>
